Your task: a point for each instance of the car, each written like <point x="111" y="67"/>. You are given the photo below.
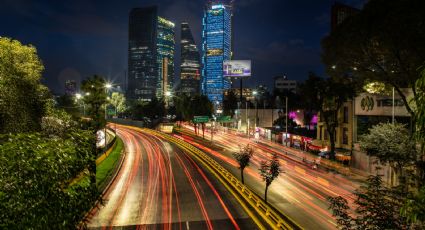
<point x="325" y="154"/>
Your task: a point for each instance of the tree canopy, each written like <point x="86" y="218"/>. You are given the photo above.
<point x="384" y="42"/>
<point x="23" y="99"/>
<point x="328" y="96"/>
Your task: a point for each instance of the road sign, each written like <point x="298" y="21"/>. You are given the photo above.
<point x="224" y="118"/>
<point x="200" y="119"/>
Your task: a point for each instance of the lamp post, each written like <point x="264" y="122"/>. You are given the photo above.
<point x="286" y="132"/>
<point x="107" y="87"/>
<point x="256" y="110"/>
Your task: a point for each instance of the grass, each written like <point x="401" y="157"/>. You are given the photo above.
<point x="105" y="168"/>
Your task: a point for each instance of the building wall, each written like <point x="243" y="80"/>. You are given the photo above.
<point x="216" y="48"/>
<point x="281" y="83"/>
<point x="265" y="117"/>
<point x="344" y="131"/>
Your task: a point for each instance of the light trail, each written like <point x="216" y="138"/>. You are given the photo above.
<point x="300" y="191"/>
<point x="160" y="186"/>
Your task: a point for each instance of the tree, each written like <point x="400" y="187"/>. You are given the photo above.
<point x="183" y="108"/>
<point x="68" y="103"/>
<point x="391" y="143"/>
<point x="378" y="207"/>
<point x="243" y="157"/>
<point x="269" y="171"/>
<point x="118" y="101"/>
<point x="390" y="54"/>
<point x="230" y="103"/>
<point x="414" y="208"/>
<point x="23" y="98"/>
<point x="34" y="180"/>
<point x="95" y="99"/>
<point x="328" y="96"/>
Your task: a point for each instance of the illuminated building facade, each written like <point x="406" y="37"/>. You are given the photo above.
<point x="216" y="48"/>
<point x="150" y="54"/>
<point x="142" y="63"/>
<point x="165" y="56"/>
<point x="190" y="63"/>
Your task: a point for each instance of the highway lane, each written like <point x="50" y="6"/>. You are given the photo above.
<point x="300" y="191"/>
<point x="159" y="186"/>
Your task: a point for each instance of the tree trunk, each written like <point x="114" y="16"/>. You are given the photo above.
<point x="203" y="130"/>
<point x="243" y="182"/>
<point x="265" y="194"/>
<point x="332" y="141"/>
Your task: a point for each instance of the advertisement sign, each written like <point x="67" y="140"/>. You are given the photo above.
<point x="237" y="68"/>
<point x="380" y="105"/>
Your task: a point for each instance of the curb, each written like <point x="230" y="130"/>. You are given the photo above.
<point x="98" y="202"/>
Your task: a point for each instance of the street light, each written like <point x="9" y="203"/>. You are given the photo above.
<point x="256" y="110"/>
<point x="107" y="86"/>
<point x="78" y="96"/>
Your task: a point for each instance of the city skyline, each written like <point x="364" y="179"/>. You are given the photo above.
<point x="91" y="39"/>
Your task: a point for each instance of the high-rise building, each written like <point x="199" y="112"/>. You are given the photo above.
<point x="165" y="56"/>
<point x="190" y="62"/>
<point x="216" y="48"/>
<point x="70" y="87"/>
<point x="340" y="12"/>
<point x="150" y="54"/>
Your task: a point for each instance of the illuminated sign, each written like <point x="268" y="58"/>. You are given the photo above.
<point x="214" y="52"/>
<point x="217" y="7"/>
<point x="237" y="68"/>
<point x="217" y="12"/>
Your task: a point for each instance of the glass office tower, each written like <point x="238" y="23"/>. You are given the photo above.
<point x="216" y="48"/>
<point x="190" y="63"/>
<point x="150" y="54"/>
<point x="165" y="56"/>
<point x="142" y="63"/>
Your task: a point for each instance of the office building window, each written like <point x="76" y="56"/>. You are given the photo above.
<point x="345" y="136"/>
<point x="325" y="134"/>
<point x="345" y="114"/>
<point x="320" y="132"/>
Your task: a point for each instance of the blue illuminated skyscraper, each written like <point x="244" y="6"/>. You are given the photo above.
<point x="216" y="48"/>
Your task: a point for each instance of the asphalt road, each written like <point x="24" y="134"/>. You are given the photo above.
<point x="300" y="192"/>
<point x="160" y="187"/>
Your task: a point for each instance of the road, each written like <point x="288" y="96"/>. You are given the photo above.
<point x="300" y="192"/>
<point x="160" y="187"/>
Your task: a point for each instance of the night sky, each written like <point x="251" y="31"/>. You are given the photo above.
<point x="79" y="38"/>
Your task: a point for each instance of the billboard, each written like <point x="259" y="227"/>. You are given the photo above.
<point x="237" y="68"/>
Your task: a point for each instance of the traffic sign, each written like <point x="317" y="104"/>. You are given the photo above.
<point x="224" y="118"/>
<point x="200" y="119"/>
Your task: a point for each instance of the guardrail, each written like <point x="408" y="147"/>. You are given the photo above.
<point x="275" y="219"/>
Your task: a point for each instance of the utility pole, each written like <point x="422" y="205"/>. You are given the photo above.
<point x="286" y="132"/>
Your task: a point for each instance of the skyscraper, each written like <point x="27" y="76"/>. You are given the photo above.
<point x="150" y="54"/>
<point x="165" y="56"/>
<point x="340" y="12"/>
<point x="70" y="87"/>
<point x="216" y="47"/>
<point x="190" y="62"/>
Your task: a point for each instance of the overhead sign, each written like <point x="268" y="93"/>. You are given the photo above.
<point x="224" y="118"/>
<point x="237" y="68"/>
<point x="200" y="119"/>
<point x="380" y="105"/>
